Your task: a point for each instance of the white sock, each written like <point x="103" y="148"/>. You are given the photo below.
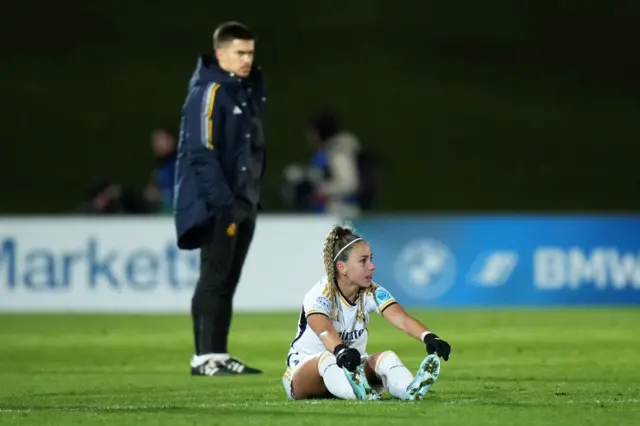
<point x="197" y="360"/>
<point x="334" y="378"/>
<point x="395" y="376"/>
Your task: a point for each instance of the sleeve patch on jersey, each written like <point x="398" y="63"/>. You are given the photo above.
<point x="322" y="303"/>
<point x="381" y="296"/>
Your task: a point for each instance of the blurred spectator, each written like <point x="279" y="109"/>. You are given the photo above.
<point x="103" y="197"/>
<point x="341" y="177"/>
<point x="159" y="191"/>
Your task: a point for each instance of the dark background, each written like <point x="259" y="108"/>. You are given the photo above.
<point x="492" y="105"/>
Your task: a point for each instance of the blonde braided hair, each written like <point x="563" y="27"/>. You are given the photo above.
<point x="337" y="238"/>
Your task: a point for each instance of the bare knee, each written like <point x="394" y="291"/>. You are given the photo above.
<point x="306" y="382"/>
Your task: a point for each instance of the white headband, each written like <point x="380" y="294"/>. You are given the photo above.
<point x="343" y="248"/>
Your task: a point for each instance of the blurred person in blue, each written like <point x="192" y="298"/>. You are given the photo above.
<point x="341" y="176"/>
<point x="220" y="165"/>
<point x="159" y="191"/>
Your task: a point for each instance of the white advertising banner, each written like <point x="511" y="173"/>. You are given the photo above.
<point x="78" y="264"/>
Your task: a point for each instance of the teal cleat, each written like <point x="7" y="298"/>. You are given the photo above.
<point x="425" y="378"/>
<point x="360" y="385"/>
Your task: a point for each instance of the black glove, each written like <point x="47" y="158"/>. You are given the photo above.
<point x="437" y="345"/>
<point x="346" y="357"/>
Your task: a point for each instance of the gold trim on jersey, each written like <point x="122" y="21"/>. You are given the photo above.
<point x="346" y="302"/>
<point x="288" y="373"/>
<point x="387" y="304"/>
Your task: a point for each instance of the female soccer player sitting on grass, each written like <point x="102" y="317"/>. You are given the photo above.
<point x="328" y="356"/>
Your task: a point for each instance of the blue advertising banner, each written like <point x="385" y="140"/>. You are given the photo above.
<point x="506" y="260"/>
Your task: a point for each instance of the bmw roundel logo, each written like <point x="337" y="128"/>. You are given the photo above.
<point x="425" y="269"/>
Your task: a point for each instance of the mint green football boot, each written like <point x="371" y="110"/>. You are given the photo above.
<point x="360" y="385"/>
<point x="425" y="378"/>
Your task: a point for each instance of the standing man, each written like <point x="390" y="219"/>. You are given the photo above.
<point x="221" y="160"/>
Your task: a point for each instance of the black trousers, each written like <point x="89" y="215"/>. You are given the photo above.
<point x="221" y="262"/>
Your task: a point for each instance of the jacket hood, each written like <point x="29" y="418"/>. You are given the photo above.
<point x="208" y="70"/>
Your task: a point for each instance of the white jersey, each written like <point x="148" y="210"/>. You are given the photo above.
<point x="351" y="327"/>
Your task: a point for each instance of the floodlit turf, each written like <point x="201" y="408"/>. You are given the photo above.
<point x="561" y="367"/>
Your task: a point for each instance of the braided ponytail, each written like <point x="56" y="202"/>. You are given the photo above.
<point x="328" y="253"/>
<point x="336" y="241"/>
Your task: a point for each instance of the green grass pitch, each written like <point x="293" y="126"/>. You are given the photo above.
<point x="515" y="367"/>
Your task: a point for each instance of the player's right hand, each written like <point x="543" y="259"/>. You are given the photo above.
<point x="347" y="357"/>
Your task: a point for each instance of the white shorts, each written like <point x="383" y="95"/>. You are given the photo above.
<point x="294" y="362"/>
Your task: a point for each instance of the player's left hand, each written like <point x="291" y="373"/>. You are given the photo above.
<point x="437" y="345"/>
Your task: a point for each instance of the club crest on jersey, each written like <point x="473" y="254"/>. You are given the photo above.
<point x="381" y="295"/>
<point x="323" y="302"/>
